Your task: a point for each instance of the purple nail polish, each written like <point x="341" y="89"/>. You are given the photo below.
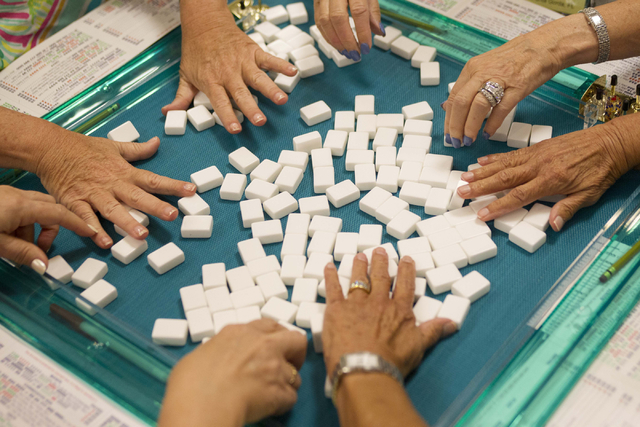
<point x="467" y="141"/>
<point x="485" y="135"/>
<point x="355" y="55"/>
<point x="455" y="142"/>
<point x="442" y="104"/>
<point x="447" y="138"/>
<point x="364" y="49"/>
<point x="384" y="33"/>
<point x="345" y="53"/>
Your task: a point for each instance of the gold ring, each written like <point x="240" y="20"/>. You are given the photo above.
<point x="294" y="375"/>
<point x="359" y="284"/>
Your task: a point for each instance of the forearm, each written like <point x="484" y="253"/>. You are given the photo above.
<point x="24" y="139"/>
<point x="571" y="40"/>
<point x="623" y="134"/>
<point x="371" y="399"/>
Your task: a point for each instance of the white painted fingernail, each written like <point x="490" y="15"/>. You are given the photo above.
<point x="95" y="230"/>
<point x="38" y="266"/>
<point x="559" y="222"/>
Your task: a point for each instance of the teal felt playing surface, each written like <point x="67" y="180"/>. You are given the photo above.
<point x="518" y="279"/>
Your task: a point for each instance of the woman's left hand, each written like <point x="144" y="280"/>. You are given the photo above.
<point x="581" y="165"/>
<point x="374" y="322"/>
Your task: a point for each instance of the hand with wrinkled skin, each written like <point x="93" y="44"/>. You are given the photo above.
<point x="332" y="19"/>
<point x="221" y="61"/>
<point x="375" y="322"/>
<point x="19" y="211"/>
<point x="581" y="165"/>
<point x="239" y="377"/>
<point x="523" y="64"/>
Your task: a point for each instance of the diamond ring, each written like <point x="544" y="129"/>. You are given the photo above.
<point x="359" y="284"/>
<point x="493" y="92"/>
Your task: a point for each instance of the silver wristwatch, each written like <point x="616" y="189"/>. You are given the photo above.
<point x="363" y="362"/>
<point x="600" y="27"/>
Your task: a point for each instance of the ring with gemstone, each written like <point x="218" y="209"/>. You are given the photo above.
<point x="493" y="92"/>
<point x="359" y="284"/>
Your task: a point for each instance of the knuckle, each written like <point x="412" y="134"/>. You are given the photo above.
<point x="505" y="177"/>
<point x="136" y="195"/>
<point x="154" y="182"/>
<point x="519" y="194"/>
<point x="337" y="16"/>
<point x="110" y="208"/>
<point x="359" y="9"/>
<point x="323" y="19"/>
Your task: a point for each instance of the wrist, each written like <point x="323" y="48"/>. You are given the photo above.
<point x="199" y="16"/>
<point x="621" y="140"/>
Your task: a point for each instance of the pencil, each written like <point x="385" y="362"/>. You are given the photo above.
<point x="97" y="119"/>
<point x="618" y="265"/>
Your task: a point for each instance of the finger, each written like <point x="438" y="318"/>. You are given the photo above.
<point x="292" y="345"/>
<point x="447" y="106"/>
<point x="380" y="280"/>
<point x="222" y="107"/>
<point x="501" y="111"/>
<point x="38" y="196"/>
<point x="460" y="109"/>
<point x="323" y="20"/>
<point x="290" y="372"/>
<point x="245" y="102"/>
<point x="26" y="233"/>
<point x="517" y="198"/>
<point x="266" y="325"/>
<point x="478" y="111"/>
<point x="48" y="214"/>
<point x="498" y="163"/>
<point x="566" y="208"/>
<point x="133" y="151"/>
<point x="287" y="397"/>
<point x="258" y="80"/>
<point x="184" y="95"/>
<point x="504" y="179"/>
<point x="84" y="211"/>
<point x="139" y="199"/>
<point x="158" y="184"/>
<point x="47" y="236"/>
<point x="359" y="273"/>
<point x="434" y="330"/>
<point x="361" y="16"/>
<point x="334" y="290"/>
<point x="266" y="61"/>
<point x="375" y="19"/>
<point x="405" y="283"/>
<point x="20" y="251"/>
<point x="113" y="211"/>
<point x="340" y="23"/>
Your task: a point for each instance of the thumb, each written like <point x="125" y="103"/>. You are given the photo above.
<point x="22" y="252"/>
<point x="436" y="329"/>
<point x="184" y="95"/>
<point x="132" y="151"/>
<point x="566" y="208"/>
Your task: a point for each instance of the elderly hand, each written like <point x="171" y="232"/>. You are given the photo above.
<point x="243" y="374"/>
<point x="221" y="61"/>
<point x="85" y="173"/>
<point x="374" y="322"/>
<point x="19" y="211"/>
<point x="581" y="165"/>
<point x="332" y="18"/>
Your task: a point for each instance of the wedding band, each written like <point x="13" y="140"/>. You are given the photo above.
<point x="358" y="284"/>
<point x="294" y="375"/>
<point x="493" y="92"/>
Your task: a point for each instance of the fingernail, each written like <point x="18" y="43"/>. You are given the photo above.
<point x="95" y="230"/>
<point x="464" y="190"/>
<point x="467" y="176"/>
<point x="355" y="55"/>
<point x="330" y="266"/>
<point x="559" y="222"/>
<point x="106" y="241"/>
<point x="293" y="69"/>
<point x="258" y="118"/>
<point x="190" y="187"/>
<point x="379" y="251"/>
<point x="483" y="212"/>
<point x="361" y="257"/>
<point x="447" y="138"/>
<point x="140" y="231"/>
<point x="235" y="127"/>
<point x="467" y="141"/>
<point x="442" y="104"/>
<point x="280" y="96"/>
<point x="450" y="328"/>
<point x="455" y="142"/>
<point x="384" y="33"/>
<point x="483" y="159"/>
<point x="486" y="135"/>
<point x="364" y="48"/>
<point x="406" y="259"/>
<point x="38" y="266"/>
<point x="345" y="53"/>
<point x="169" y="212"/>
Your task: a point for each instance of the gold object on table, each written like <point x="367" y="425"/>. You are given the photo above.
<point x="590" y="93"/>
<point x="247" y="14"/>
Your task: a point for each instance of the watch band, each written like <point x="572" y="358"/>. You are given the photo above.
<point x="600" y="27"/>
<point x="362" y="362"/>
